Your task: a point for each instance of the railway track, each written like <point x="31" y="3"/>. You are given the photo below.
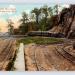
<point x="38" y="66"/>
<point x="66" y="54"/>
<point x="36" y="62"/>
<point x="6" y="54"/>
<point x="42" y="63"/>
<point x="50" y="58"/>
<point x="3" y="45"/>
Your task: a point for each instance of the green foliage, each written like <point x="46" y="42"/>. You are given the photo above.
<point x="50" y="11"/>
<point x="36" y="11"/>
<point x="45" y="10"/>
<point x="24" y="27"/>
<point x="43" y="24"/>
<point x="32" y="26"/>
<point x="56" y="9"/>
<point x="40" y="40"/>
<point x="51" y="22"/>
<point x="10" y="27"/>
<point x="24" y="18"/>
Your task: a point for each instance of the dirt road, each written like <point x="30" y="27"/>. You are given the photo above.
<point x="7" y="52"/>
<point x="46" y="58"/>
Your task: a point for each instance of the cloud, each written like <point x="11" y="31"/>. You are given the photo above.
<point x="4" y="24"/>
<point x="15" y="20"/>
<point x="63" y="6"/>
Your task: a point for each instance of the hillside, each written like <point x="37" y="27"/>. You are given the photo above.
<point x="66" y="22"/>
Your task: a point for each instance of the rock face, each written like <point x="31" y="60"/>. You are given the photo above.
<point x="66" y="23"/>
<point x="67" y="18"/>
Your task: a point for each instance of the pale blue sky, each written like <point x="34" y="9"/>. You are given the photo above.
<point x="21" y="7"/>
<point x="30" y="1"/>
<point x="28" y="5"/>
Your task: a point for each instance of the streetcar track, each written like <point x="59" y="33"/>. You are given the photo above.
<point x="5" y="55"/>
<point x="54" y="58"/>
<point x="39" y="65"/>
<point x="66" y="55"/>
<point x="4" y="58"/>
<point x="36" y="60"/>
<point x="32" y="55"/>
<point x="48" y="57"/>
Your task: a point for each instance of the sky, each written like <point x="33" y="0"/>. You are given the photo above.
<point x="20" y="8"/>
<point x="37" y="1"/>
<point x="30" y="1"/>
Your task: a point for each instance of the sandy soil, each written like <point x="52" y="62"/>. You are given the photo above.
<point x="46" y="58"/>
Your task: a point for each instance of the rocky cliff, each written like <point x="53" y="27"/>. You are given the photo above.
<point x="66" y="22"/>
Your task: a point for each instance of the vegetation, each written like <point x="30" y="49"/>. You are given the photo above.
<point x="40" y="40"/>
<point x="10" y="27"/>
<point x="42" y="21"/>
<point x="23" y="27"/>
<point x="56" y="9"/>
<point x="37" y="13"/>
